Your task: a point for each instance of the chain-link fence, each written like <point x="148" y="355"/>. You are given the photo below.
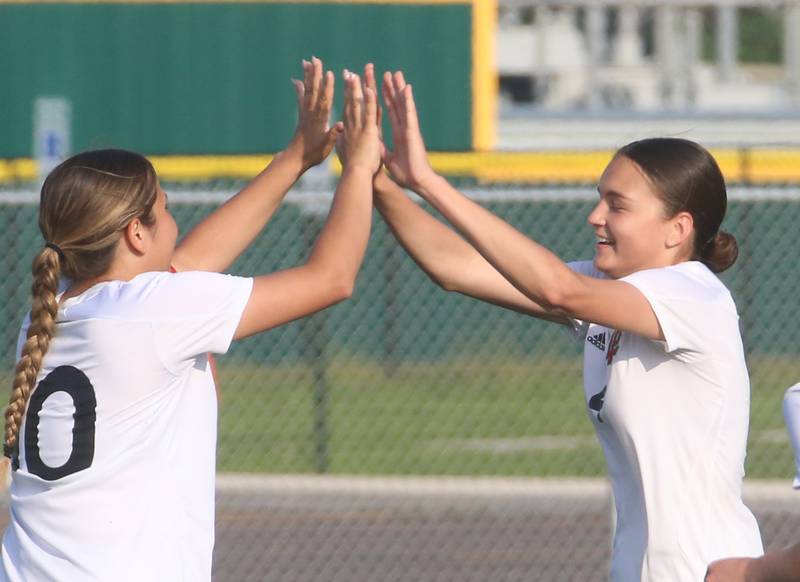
<point x="411" y="434"/>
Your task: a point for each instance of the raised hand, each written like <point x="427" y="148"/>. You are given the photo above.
<point x="369" y="82"/>
<point x="408" y="163"/>
<point x="314" y="137"/>
<point x="359" y="144"/>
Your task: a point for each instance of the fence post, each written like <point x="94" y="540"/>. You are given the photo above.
<point x="391" y="264"/>
<point x="314" y="339"/>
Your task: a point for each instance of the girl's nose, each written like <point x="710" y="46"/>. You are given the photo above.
<point x="597" y="217"/>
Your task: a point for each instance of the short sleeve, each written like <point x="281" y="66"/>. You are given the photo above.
<point x="691" y="308"/>
<point x="580" y="327"/>
<point x="198" y="313"/>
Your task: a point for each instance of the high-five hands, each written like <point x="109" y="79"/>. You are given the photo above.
<point x="314" y="137"/>
<point x="359" y="144"/>
<point x="369" y="83"/>
<point x="408" y="162"/>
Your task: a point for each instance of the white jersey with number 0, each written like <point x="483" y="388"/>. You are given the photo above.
<point x="115" y="475"/>
<point x="672" y="417"/>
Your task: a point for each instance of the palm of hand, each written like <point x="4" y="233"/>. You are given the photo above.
<point x="408" y="164"/>
<point x="313" y="133"/>
<point x="364" y="149"/>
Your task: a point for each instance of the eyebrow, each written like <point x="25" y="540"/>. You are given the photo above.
<point x="613" y="194"/>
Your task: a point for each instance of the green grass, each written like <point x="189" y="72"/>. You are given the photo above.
<point x="487" y="415"/>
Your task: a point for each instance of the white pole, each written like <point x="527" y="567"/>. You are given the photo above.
<point x="727" y="42"/>
<point x="694" y="31"/>
<point x="596" y="44"/>
<point x="666" y="54"/>
<point x="628" y="50"/>
<point x="52" y="135"/>
<point x="791" y="48"/>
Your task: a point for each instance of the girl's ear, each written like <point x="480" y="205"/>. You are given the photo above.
<point x="681" y="230"/>
<point x="135" y="236"/>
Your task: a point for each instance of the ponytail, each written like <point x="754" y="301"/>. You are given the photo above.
<point x="721" y="252"/>
<point x="46" y="275"/>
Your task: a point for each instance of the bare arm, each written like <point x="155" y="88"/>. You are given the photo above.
<point x="531" y="268"/>
<point x="449" y="260"/>
<point x="330" y="272"/>
<point x="778" y="566"/>
<point x="216" y="242"/>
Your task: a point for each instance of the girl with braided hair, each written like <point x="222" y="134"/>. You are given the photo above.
<point x="111" y="424"/>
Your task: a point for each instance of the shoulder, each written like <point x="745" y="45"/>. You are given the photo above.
<point x="154" y="295"/>
<point x="689" y="281"/>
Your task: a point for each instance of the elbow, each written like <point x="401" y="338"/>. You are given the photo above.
<point x="553" y="298"/>
<point x="563" y="294"/>
<point x="333" y="283"/>
<point x="344" y="290"/>
<point x="449" y="285"/>
<point x="341" y="286"/>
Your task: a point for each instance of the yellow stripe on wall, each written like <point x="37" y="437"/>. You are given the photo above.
<point x="765" y="166"/>
<point x="205" y="168"/>
<point x="484" y="75"/>
<point x="401" y="2"/>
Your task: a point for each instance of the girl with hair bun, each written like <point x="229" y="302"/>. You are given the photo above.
<point x="665" y="381"/>
<point x="111" y="423"/>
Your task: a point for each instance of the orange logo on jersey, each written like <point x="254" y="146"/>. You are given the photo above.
<point x="613" y="346"/>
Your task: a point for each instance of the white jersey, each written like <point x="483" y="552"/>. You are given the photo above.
<point x="115" y="475"/>
<point x="672" y="417"/>
<point x="791" y="413"/>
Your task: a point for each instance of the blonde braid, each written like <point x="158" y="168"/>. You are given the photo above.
<point x="46" y="274"/>
<point x="86" y="203"/>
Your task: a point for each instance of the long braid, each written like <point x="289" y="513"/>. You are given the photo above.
<point x="86" y="203"/>
<point x="46" y="274"/>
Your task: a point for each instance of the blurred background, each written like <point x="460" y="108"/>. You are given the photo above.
<point x="412" y="434"/>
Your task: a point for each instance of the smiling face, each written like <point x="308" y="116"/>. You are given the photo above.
<point x="629" y="222"/>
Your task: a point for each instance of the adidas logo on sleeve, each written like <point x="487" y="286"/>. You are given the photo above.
<point x="598" y="341"/>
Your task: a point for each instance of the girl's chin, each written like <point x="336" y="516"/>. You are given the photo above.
<point x="606" y="267"/>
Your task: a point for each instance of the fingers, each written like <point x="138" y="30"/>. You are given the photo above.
<point x="388" y="98"/>
<point x="369" y="77"/>
<point x="399" y="87"/>
<point x="348" y="99"/>
<point x="299" y="90"/>
<point x="388" y="89"/>
<point x="399" y="100"/>
<point x="327" y="92"/>
<point x="313" y="82"/>
<point x="410" y="109"/>
<point x="317" y="87"/>
<point x="370" y="106"/>
<point x="307" y="82"/>
<point x="358" y="97"/>
<point x="369" y="81"/>
<point x="354" y="100"/>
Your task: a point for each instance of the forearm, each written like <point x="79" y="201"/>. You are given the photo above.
<point x="530" y="267"/>
<point x="216" y="242"/>
<point x="437" y="249"/>
<point x="340" y="247"/>
<point x="781" y="566"/>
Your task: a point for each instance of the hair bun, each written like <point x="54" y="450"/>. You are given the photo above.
<point x="721" y="252"/>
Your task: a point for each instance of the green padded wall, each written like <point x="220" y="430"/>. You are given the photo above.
<point x="205" y="78"/>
